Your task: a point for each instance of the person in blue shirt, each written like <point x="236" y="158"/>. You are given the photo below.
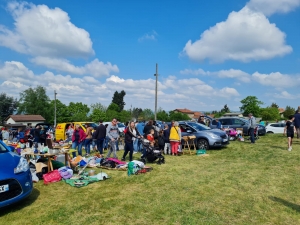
<point x="140" y="127"/>
<point x="219" y="125"/>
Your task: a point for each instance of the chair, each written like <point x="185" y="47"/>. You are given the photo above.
<point x="189" y="141"/>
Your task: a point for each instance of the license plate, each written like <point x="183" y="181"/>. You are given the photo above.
<point x="4" y="188"/>
<point x="224" y="140"/>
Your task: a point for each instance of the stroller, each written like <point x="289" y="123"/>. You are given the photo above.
<point x="151" y="154"/>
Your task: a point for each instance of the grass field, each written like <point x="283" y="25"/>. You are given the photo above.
<point x="239" y="184"/>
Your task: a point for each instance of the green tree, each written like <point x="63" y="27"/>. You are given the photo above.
<point x="113" y="107"/>
<point x="35" y="101"/>
<point x="178" y="116"/>
<point x="118" y="99"/>
<point x="110" y="114"/>
<point x="269" y="113"/>
<point x="124" y="116"/>
<point x="8" y="106"/>
<point x="62" y="112"/>
<point x="251" y="104"/>
<point x="274" y="105"/>
<point x="225" y="109"/>
<point x="98" y="112"/>
<point x="148" y="114"/>
<point x="78" y="111"/>
<point x="136" y="112"/>
<point x="162" y="115"/>
<point x="288" y="111"/>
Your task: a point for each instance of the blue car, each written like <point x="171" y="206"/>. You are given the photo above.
<point x="15" y="176"/>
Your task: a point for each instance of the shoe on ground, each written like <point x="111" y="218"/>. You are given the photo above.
<point x="123" y="159"/>
<point x="289" y="149"/>
<point x="134" y="152"/>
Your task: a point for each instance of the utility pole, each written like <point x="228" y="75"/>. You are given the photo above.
<point x="55" y="93"/>
<point x="156" y="75"/>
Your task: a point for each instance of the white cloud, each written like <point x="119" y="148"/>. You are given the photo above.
<point x="95" y="68"/>
<point x="286" y="95"/>
<point x="277" y="79"/>
<point x="245" y="36"/>
<point x="42" y="31"/>
<point x="269" y="7"/>
<point x="232" y="73"/>
<point x="149" y="36"/>
<point x="193" y="72"/>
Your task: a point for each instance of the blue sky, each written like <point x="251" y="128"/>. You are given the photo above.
<point x="209" y="53"/>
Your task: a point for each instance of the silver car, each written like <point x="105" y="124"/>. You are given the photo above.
<point x="205" y="137"/>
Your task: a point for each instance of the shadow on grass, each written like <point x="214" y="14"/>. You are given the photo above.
<point x="286" y="203"/>
<point x="21" y="204"/>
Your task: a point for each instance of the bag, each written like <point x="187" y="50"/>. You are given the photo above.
<point x="108" y="163"/>
<point x="51" y="177"/>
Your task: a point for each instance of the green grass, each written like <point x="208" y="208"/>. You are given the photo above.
<point x="240" y="184"/>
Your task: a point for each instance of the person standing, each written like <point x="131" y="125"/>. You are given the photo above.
<point x="69" y="132"/>
<point x="140" y="127"/>
<point x="77" y="139"/>
<point x="100" y="135"/>
<point x="219" y="125"/>
<point x="130" y="136"/>
<point x="87" y="141"/>
<point x="113" y="135"/>
<point x="297" y="122"/>
<point x="175" y="137"/>
<point x="251" y="127"/>
<point x="167" y="147"/>
<point x="289" y="130"/>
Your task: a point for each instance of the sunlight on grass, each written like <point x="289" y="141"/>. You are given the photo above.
<point x="240" y="184"/>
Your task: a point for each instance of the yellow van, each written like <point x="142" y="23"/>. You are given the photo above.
<point x="61" y="128"/>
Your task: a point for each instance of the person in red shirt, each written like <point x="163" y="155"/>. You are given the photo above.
<point x="150" y="137"/>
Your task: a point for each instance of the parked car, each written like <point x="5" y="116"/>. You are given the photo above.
<point x="237" y="122"/>
<point x="15" y="176"/>
<point x="205" y="137"/>
<point x="275" y="128"/>
<point x="121" y="126"/>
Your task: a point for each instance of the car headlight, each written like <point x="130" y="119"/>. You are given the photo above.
<point x="22" y="166"/>
<point x="213" y="135"/>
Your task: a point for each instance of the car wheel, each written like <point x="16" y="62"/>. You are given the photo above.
<point x="202" y="144"/>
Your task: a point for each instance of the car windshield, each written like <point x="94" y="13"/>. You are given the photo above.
<point x="91" y="125"/>
<point x="121" y="125"/>
<point x="199" y="126"/>
<point x="2" y="148"/>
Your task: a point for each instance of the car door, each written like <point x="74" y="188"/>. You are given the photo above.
<point x="226" y="122"/>
<point x="237" y="123"/>
<point x="186" y="130"/>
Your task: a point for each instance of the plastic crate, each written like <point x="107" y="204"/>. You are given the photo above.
<point x="201" y="152"/>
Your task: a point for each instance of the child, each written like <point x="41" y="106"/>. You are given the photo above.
<point x="290" y="129"/>
<point x="161" y="140"/>
<point x="150" y="137"/>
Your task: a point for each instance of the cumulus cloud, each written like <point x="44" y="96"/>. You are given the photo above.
<point x="277" y="79"/>
<point x="149" y="36"/>
<point x="95" y="68"/>
<point x="231" y="73"/>
<point x="42" y="31"/>
<point x="245" y="36"/>
<point x="269" y="7"/>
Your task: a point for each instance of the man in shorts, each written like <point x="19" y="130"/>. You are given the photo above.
<point x="289" y="130"/>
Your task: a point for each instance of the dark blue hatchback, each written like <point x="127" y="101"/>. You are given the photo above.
<point x="15" y="177"/>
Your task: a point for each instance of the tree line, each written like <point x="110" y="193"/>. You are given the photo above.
<point x="36" y="102"/>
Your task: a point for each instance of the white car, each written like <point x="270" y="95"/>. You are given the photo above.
<point x="121" y="126"/>
<point x="275" y="128"/>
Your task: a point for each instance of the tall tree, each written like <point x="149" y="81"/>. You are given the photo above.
<point x="113" y="107"/>
<point x="78" y="111"/>
<point x="118" y="99"/>
<point x="251" y="104"/>
<point x="274" y="105"/>
<point x="35" y="101"/>
<point x="288" y="111"/>
<point x="8" y="106"/>
<point x="225" y="109"/>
